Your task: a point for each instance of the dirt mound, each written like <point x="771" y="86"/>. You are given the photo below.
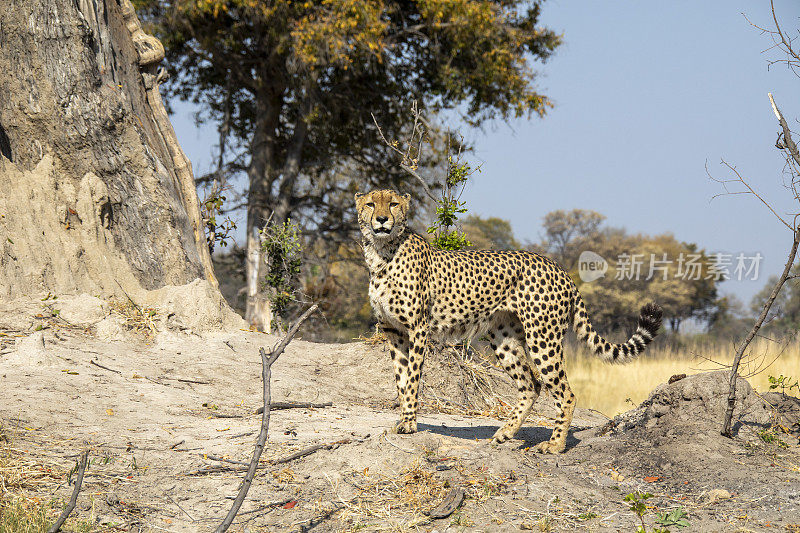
<point x="696" y="404"/>
<point x="196" y="306"/>
<point x="675" y="437"/>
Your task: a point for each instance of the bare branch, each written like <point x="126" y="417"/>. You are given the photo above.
<point x="726" y="428"/>
<point x="788" y="143"/>
<point x="750" y="190"/>
<point x="787" y="43"/>
<point x="407" y="161"/>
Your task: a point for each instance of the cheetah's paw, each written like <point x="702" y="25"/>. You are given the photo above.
<point x="549" y="447"/>
<point x="503" y="434"/>
<point x="406" y="426"/>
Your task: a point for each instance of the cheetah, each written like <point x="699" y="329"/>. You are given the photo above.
<point x="523" y="302"/>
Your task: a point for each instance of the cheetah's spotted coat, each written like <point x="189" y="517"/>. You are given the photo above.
<point x="523" y="301"/>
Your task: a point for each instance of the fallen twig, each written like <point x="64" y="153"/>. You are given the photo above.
<point x="223" y="460"/>
<point x="95" y="363"/>
<point x="269" y="505"/>
<point x="314" y="448"/>
<point x="276" y="406"/>
<point x="74" y="498"/>
<point x="301" y="453"/>
<point x="214" y="414"/>
<point x="291" y="457"/>
<point x="181" y="508"/>
<point x="266" y="372"/>
<point x="186" y="380"/>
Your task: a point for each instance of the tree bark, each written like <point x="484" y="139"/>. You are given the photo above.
<point x="96" y="195"/>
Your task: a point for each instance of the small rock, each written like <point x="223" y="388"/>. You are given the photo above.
<point x="717" y="494"/>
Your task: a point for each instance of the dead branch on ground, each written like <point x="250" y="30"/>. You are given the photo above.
<point x="277" y="406"/>
<point x="291" y="457"/>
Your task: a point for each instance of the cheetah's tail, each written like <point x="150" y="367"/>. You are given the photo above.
<point x="649" y="324"/>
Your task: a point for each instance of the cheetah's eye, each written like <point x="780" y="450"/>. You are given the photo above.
<point x="393" y="204"/>
<point x="370" y="204"/>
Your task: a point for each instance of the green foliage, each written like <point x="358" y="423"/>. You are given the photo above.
<point x="675" y="518"/>
<point x="218" y="228"/>
<point x="637" y="500"/>
<point x="770" y="436"/>
<point x="784" y="382"/>
<point x="447" y="211"/>
<point x="638" y="505"/>
<point x="450" y="206"/>
<point x="283" y="254"/>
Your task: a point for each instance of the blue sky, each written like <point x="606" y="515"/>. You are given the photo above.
<point x="646" y="94"/>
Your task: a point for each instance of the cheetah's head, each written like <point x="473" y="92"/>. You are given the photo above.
<point x="382" y="214"/>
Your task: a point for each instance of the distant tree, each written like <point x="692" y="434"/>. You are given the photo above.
<point x="728" y="319"/>
<point x="294" y="83"/>
<point x="675" y="274"/>
<point x="566" y="228"/>
<point x="490" y="233"/>
<point x="784" y="315"/>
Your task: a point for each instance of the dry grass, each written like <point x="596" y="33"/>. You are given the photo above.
<point x="377" y="338"/>
<point x="466" y="382"/>
<point x="136" y="319"/>
<point x="23" y="481"/>
<point x="400" y="502"/>
<point x="613" y="389"/>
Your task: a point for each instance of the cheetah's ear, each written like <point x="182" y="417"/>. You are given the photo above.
<point x="407" y="197"/>
<point x="359" y="195"/>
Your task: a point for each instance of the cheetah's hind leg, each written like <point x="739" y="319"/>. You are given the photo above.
<point x="507" y="341"/>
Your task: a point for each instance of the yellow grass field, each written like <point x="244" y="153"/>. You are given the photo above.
<point x="613" y="389"/>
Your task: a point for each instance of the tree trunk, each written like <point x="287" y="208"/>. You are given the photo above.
<point x="260" y="175"/>
<point x="96" y="195"/>
<point x="265" y="207"/>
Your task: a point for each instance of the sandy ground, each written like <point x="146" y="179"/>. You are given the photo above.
<point x="149" y="411"/>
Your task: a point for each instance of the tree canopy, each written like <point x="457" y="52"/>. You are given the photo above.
<point x="293" y="85"/>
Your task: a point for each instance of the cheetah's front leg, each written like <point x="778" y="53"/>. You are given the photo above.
<point x="408" y="356"/>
